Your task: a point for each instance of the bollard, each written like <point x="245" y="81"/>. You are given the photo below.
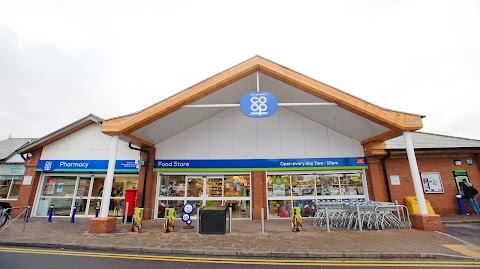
<point x="74" y="211"/>
<point x="25" y="220"/>
<point x="263" y="220"/>
<point x="359" y="218"/>
<point x="461" y="206"/>
<point x="26" y="214"/>
<point x="125" y="213"/>
<point x="50" y="213"/>
<point x="198" y="220"/>
<point x="97" y="209"/>
<point x="327" y="219"/>
<point x="230" y="220"/>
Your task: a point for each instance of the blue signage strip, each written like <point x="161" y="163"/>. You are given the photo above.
<point x="85" y="165"/>
<point x="258" y="104"/>
<point x="260" y="164"/>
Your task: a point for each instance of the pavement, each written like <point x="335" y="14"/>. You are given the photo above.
<point x="246" y="240"/>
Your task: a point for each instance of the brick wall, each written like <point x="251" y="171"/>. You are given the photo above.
<point x="150" y="190"/>
<point x="26" y="195"/>
<point x="442" y="204"/>
<point x="259" y="195"/>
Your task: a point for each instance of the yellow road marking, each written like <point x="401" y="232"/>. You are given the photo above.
<point x="372" y="263"/>
<point x="468" y="250"/>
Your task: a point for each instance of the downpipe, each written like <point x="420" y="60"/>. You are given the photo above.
<point x="384" y="166"/>
<point x="146" y="171"/>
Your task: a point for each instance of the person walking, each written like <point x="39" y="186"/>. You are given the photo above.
<point x="469" y="192"/>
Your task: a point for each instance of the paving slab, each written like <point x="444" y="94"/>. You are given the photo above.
<point x="245" y="240"/>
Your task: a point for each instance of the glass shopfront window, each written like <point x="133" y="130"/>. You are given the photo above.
<point x="10" y="186"/>
<point x="304" y="189"/>
<point x="84" y="192"/>
<point x="230" y="190"/>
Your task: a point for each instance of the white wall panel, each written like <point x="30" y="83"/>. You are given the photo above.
<point x="83" y="138"/>
<point x="316" y="140"/>
<point x="268" y="138"/>
<point x="54" y="154"/>
<point x="159" y="151"/>
<point x="358" y="149"/>
<point x="221" y="137"/>
<point x="340" y="145"/>
<point x="174" y="147"/>
<point x="291" y="135"/>
<point x="244" y="137"/>
<point x="198" y="141"/>
<point x="88" y="143"/>
<point x="233" y="136"/>
<point x="78" y="154"/>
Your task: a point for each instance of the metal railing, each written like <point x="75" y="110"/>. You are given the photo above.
<point x="5" y="213"/>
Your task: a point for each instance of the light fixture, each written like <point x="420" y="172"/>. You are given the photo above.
<point x="457" y="162"/>
<point x="470" y="161"/>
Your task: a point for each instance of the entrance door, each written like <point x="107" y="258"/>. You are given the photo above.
<point x="203" y="191"/>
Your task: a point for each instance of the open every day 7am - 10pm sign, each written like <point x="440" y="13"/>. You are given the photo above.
<point x="261" y="164"/>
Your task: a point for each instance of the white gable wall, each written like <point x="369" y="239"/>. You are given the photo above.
<point x="232" y="135"/>
<point x="89" y="143"/>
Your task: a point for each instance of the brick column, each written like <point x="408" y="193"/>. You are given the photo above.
<point x="151" y="186"/>
<point x="26" y="195"/>
<point x="258" y="193"/>
<point x="376" y="180"/>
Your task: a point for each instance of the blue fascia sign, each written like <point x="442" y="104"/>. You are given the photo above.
<point x="85" y="166"/>
<point x="262" y="164"/>
<point x="258" y="104"/>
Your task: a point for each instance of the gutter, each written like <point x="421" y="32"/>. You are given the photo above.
<point x="146" y="171"/>
<point x="384" y="166"/>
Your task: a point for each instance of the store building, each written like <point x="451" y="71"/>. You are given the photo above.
<point x="224" y="141"/>
<point x="443" y="163"/>
<point x="202" y="146"/>
<point x="67" y="168"/>
<point x="11" y="169"/>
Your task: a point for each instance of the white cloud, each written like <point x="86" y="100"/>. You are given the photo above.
<point x="65" y="59"/>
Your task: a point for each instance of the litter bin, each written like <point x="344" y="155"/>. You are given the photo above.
<point x="213" y="220"/>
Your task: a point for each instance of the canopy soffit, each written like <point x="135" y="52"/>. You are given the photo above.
<point x="351" y="116"/>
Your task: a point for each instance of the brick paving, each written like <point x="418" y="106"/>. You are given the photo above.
<point x="246" y="239"/>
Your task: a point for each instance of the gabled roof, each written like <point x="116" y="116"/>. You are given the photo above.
<point x="423" y="140"/>
<point x="394" y="121"/>
<point x="60" y="133"/>
<point x="10" y="145"/>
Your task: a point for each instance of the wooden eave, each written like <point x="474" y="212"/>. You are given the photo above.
<point x="396" y="121"/>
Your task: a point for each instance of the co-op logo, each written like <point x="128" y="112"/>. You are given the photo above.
<point x="48" y="166"/>
<point x="258" y="104"/>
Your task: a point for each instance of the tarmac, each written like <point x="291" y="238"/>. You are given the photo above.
<point x="245" y="240"/>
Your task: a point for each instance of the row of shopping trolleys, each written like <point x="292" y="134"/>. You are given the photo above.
<point x="361" y="214"/>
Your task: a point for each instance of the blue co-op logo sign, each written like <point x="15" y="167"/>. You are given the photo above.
<point x="258" y="104"/>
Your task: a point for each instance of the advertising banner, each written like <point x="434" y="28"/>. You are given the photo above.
<point x="169" y="220"/>
<point x="296" y="219"/>
<point x="137" y="220"/>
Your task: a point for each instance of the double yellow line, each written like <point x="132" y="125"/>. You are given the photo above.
<point x="222" y="260"/>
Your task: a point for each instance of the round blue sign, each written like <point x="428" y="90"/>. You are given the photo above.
<point x="258" y="104"/>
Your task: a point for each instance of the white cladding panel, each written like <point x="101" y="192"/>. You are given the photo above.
<point x="198" y="141"/>
<point x="244" y="137"/>
<point x="89" y="143"/>
<point x="231" y="135"/>
<point x="316" y="140"/>
<point x="292" y="136"/>
<point x="221" y="137"/>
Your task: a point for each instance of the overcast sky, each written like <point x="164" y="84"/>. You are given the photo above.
<point x="62" y="60"/>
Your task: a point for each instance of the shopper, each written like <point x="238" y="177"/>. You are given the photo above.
<point x="469" y="192"/>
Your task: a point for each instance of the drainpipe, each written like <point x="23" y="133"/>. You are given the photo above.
<point x="384" y="165"/>
<point x="146" y="171"/>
